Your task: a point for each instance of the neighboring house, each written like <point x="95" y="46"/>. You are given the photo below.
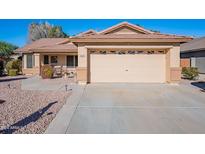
<point x="122" y="53"/>
<point x="193" y="54"/>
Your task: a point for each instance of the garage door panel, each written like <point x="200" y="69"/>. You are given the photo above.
<point x="127" y="68"/>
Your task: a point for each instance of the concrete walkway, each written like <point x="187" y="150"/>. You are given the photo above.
<point x="37" y="83"/>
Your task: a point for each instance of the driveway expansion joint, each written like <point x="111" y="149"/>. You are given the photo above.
<point x="60" y="123"/>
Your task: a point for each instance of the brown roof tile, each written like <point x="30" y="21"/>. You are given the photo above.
<point x="194" y="45"/>
<point x="131" y="36"/>
<point x="58" y="47"/>
<point x="44" y="42"/>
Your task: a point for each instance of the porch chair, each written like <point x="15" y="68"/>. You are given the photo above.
<point x="58" y="71"/>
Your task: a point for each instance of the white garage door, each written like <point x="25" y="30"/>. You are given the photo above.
<point x="127" y="68"/>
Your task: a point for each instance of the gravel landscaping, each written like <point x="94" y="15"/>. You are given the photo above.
<point x="27" y="111"/>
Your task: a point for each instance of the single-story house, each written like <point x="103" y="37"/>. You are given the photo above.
<point x="193" y="54"/>
<point x="121" y="53"/>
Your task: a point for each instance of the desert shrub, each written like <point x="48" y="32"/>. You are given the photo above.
<point x="12" y="72"/>
<point x="190" y="73"/>
<point x="46" y="72"/>
<point x="14" y="64"/>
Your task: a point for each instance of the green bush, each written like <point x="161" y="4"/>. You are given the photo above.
<point x="13" y="72"/>
<point x="14" y="64"/>
<point x="46" y="72"/>
<point x="17" y="64"/>
<point x="9" y="65"/>
<point x="190" y="73"/>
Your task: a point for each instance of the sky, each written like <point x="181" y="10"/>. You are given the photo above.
<point x="15" y="31"/>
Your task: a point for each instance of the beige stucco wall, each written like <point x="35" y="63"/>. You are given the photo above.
<point x="61" y="60"/>
<point x="175" y="69"/>
<point x="175" y="56"/>
<point x="82" y="56"/>
<point x="82" y="69"/>
<point x="37" y="59"/>
<point x="168" y="65"/>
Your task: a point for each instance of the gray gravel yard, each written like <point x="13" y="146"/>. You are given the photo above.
<point x="27" y="111"/>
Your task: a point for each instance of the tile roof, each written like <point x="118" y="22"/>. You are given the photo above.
<point x="193" y="45"/>
<point x="131" y="36"/>
<point x="44" y="42"/>
<point x="59" y="47"/>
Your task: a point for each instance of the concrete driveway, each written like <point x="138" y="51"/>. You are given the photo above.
<point x="139" y="108"/>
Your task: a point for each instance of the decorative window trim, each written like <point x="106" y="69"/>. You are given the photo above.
<point x="103" y="52"/>
<point x="131" y="52"/>
<point x="150" y="52"/>
<point x="112" y="52"/>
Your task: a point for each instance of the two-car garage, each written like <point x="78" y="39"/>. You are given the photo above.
<point x="128" y="53"/>
<point x="144" y="68"/>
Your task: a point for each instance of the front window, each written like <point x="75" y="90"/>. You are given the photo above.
<point x="46" y="59"/>
<point x="30" y="60"/>
<point x="54" y="59"/>
<point x="72" y="61"/>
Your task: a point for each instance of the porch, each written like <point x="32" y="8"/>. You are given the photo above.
<point x="63" y="64"/>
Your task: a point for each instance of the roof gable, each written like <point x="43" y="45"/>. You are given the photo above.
<point x="126" y="28"/>
<point x="88" y="32"/>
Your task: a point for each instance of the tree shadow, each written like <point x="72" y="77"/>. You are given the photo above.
<point x="12" y="79"/>
<point x="199" y="84"/>
<point x="31" y="118"/>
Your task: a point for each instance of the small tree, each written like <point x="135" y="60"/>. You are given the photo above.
<point x="6" y="50"/>
<point x="56" y="31"/>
